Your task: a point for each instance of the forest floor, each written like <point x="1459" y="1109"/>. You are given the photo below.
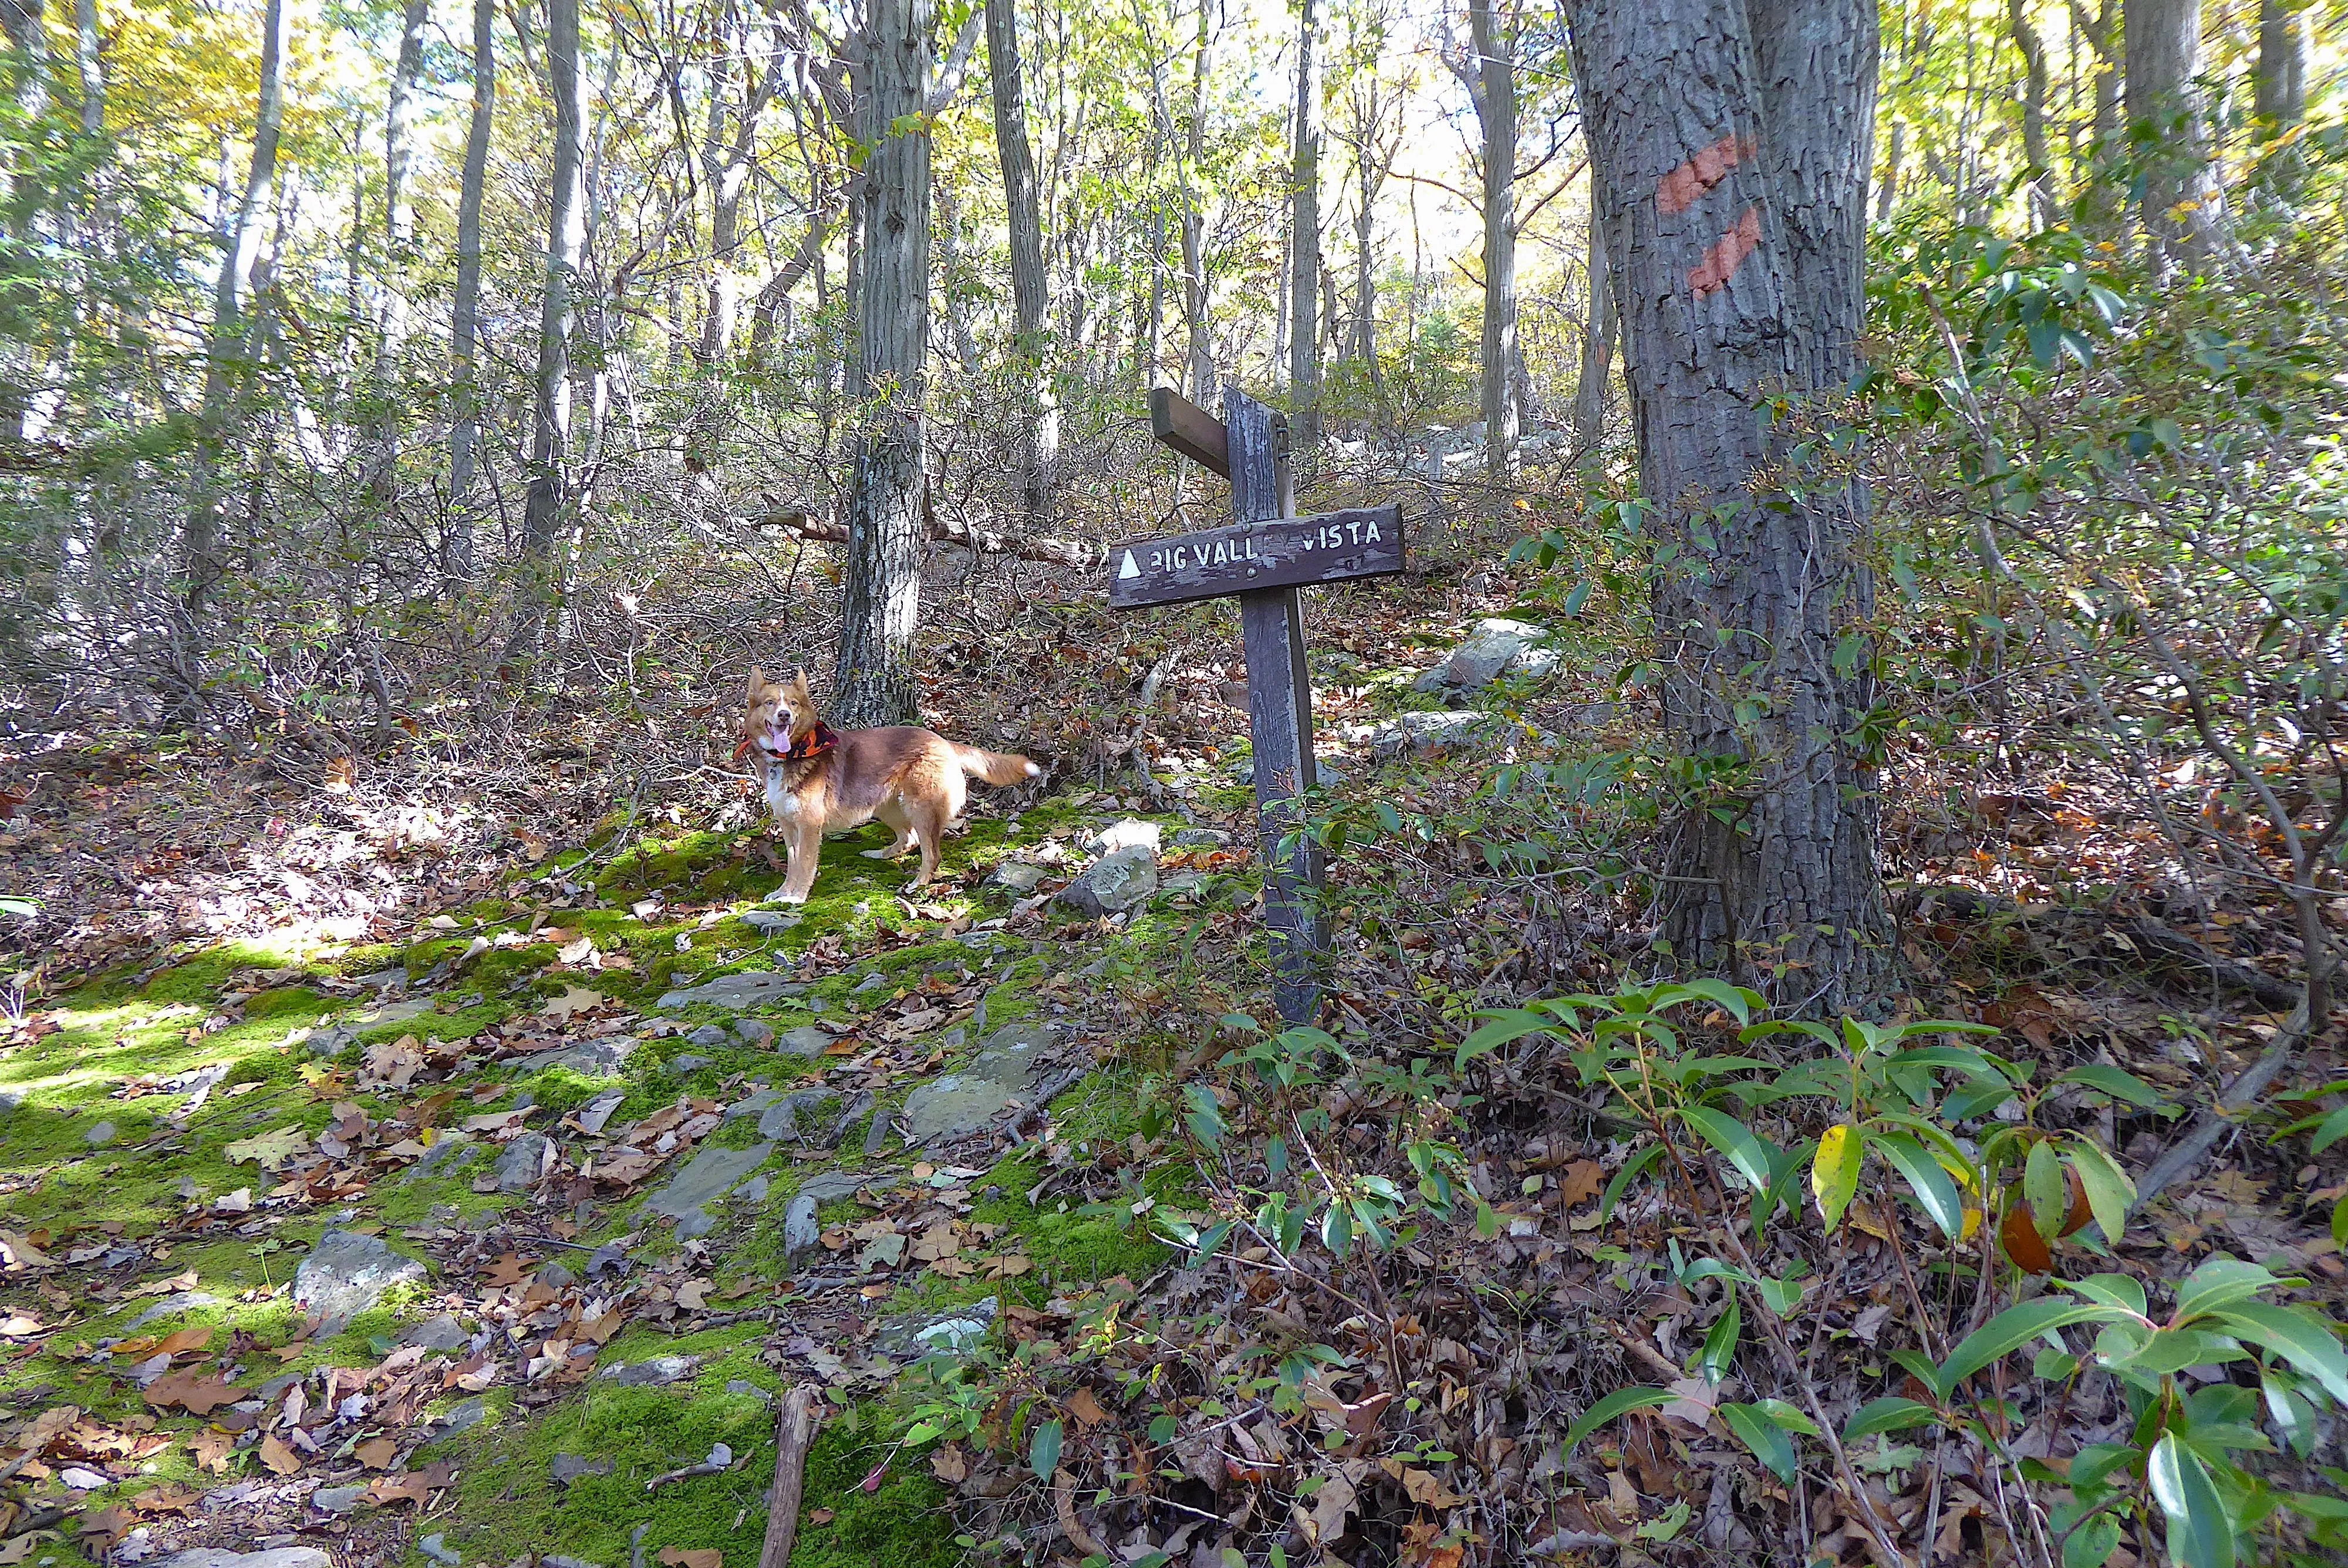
<point x="389" y="1171"/>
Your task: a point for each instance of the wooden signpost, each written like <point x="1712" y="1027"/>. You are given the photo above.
<point x="1262" y="557"/>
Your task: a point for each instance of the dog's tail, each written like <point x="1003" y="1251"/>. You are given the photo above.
<point x="995" y="767"/>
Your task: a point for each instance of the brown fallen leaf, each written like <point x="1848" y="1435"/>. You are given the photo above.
<point x="197" y="1394"/>
<point x="212" y="1449"/>
<point x="278" y="1456"/>
<point x="1086" y="1408"/>
<point x="186" y="1341"/>
<point x="821" y="1516"/>
<point x="1582" y="1181"/>
<point x="113" y="1523"/>
<point x="706" y="1557"/>
<point x="377" y="1453"/>
<point x="949" y="1465"/>
<point x="507" y="1270"/>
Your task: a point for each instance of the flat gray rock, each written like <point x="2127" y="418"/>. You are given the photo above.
<point x="1115" y="883"/>
<point x="523" y="1162"/>
<point x="800" y="1230"/>
<point x="744" y="1386"/>
<point x="450" y="1150"/>
<point x="1420" y="733"/>
<point x="773" y="922"/>
<point x="100" y="1136"/>
<point x="460" y="1416"/>
<point x="657" y="1373"/>
<point x="1201" y="838"/>
<point x="781" y="1120"/>
<point x="172" y="1306"/>
<point x="1019" y="877"/>
<point x="755" y="1033"/>
<point x="565" y="1469"/>
<point x="391" y="1012"/>
<point x="706" y="1178"/>
<point x="957" y="1329"/>
<point x="753" y="987"/>
<point x="966" y="1100"/>
<point x="220" y="1557"/>
<point x="346" y="1272"/>
<point x="756" y="1104"/>
<point x="689" y="1062"/>
<point x="441" y="1333"/>
<point x="604" y="1058"/>
<point x="709" y="1034"/>
<point x="1496" y="645"/>
<point x="807" y="1039"/>
<point x="825" y="1185"/>
<point x="336" y="1499"/>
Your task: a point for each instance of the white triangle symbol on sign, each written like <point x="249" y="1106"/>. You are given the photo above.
<point x="1129" y="568"/>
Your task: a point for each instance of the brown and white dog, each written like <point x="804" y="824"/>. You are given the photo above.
<point x="820" y="781"/>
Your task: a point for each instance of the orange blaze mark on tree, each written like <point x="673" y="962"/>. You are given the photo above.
<point x="1677" y="192"/>
<point x="1720" y="262"/>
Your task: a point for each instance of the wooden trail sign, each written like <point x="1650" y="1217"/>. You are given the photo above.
<point x="1262" y="558"/>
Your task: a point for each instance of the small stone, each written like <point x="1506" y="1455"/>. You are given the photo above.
<point x="523" y="1162"/>
<point x="1496" y="645"/>
<point x="554" y="1277"/>
<point x="743" y="1387"/>
<point x="755" y="1033"/>
<point x="346" y="1272"/>
<point x="736" y="993"/>
<point x="874" y="981"/>
<point x="990" y="1082"/>
<point x="687" y="1063"/>
<point x="709" y="1034"/>
<point x="336" y="1499"/>
<point x="461" y="1417"/>
<point x="437" y="1549"/>
<point x="800" y="1230"/>
<point x="1115" y="883"/>
<point x="592" y="1116"/>
<point x="1126" y="834"/>
<point x="923" y="1333"/>
<point x="449" y="1148"/>
<point x="565" y="1469"/>
<point x="82" y="1480"/>
<point x="807" y="1039"/>
<point x="1201" y="838"/>
<point x="441" y="1333"/>
<point x="601" y="1058"/>
<point x="825" y="1185"/>
<point x="754" y="1190"/>
<point x="1019" y="877"/>
<point x="656" y="1373"/>
<point x="172" y="1306"/>
<point x="221" y="1557"/>
<point x="100" y="1136"/>
<point x="756" y="1104"/>
<point x="773" y="922"/>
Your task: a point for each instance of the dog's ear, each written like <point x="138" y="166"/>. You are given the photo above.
<point x="799" y="682"/>
<point x="757" y="684"/>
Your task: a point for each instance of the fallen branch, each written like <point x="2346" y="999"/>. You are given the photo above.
<point x="793" y="1433"/>
<point x="2217" y="1122"/>
<point x="978" y="541"/>
<point x="2148" y="936"/>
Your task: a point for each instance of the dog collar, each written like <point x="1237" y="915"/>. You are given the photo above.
<point x="814" y="743"/>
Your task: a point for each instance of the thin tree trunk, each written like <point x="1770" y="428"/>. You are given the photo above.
<point x="1039" y="434"/>
<point x="2163" y="43"/>
<point x="88" y="62"/>
<point x="777" y="289"/>
<point x="1305" y="249"/>
<point x="881" y="601"/>
<point x="464" y="331"/>
<point x="399" y="233"/>
<point x="1194" y="263"/>
<point x="229" y="343"/>
<point x="2281" y="91"/>
<point x="1597" y="344"/>
<point x="1886" y="195"/>
<point x="551" y="416"/>
<point x="1496" y="103"/>
<point x="2033" y="112"/>
<point x="1730" y="145"/>
<point x="27" y="70"/>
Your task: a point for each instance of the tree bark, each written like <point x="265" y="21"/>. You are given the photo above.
<point x="1597" y="344"/>
<point x="2033" y="112"/>
<point x="1496" y="107"/>
<point x="464" y="327"/>
<point x="1305" y="249"/>
<point x="2162" y="41"/>
<point x="881" y="592"/>
<point x="27" y="67"/>
<point x="229" y="344"/>
<point x="1194" y="222"/>
<point x="2279" y="94"/>
<point x="91" y="65"/>
<point x="1730" y="143"/>
<point x="566" y="232"/>
<point x="1039" y="433"/>
<point x="399" y="233"/>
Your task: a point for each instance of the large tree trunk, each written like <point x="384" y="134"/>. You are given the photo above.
<point x="464" y="328"/>
<point x="880" y="603"/>
<point x="2162" y="40"/>
<point x="1039" y="433"/>
<point x="1729" y="144"/>
<point x="1597" y="343"/>
<point x="228" y="342"/>
<point x="1305" y="249"/>
<point x="27" y="67"/>
<point x="1496" y="106"/>
<point x="566" y="233"/>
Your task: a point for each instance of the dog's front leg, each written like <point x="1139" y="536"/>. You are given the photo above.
<point x="801" y="849"/>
